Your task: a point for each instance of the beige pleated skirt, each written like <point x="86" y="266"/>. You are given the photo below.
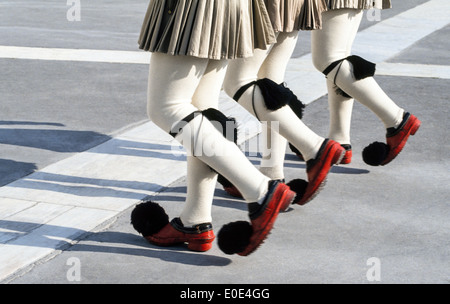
<point x="295" y="15"/>
<point x="213" y="29"/>
<point x="359" y="4"/>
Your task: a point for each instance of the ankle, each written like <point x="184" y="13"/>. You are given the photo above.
<point x="398" y="120"/>
<point x="255" y="208"/>
<point x="394" y="130"/>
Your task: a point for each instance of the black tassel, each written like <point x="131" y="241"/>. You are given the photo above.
<point x="148" y="218"/>
<point x="297" y="107"/>
<point x="275" y="95"/>
<point x="224" y="182"/>
<point x="228" y="125"/>
<point x="299" y="187"/>
<point x="296" y="151"/>
<point x="361" y="67"/>
<point x="340" y="92"/>
<point x="375" y="153"/>
<point x="234" y="237"/>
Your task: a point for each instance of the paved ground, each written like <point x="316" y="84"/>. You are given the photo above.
<point x="76" y="156"/>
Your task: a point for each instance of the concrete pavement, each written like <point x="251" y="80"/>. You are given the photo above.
<point x="68" y="222"/>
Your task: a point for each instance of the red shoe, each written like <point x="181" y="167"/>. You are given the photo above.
<point x="347" y="159"/>
<point x="198" y="238"/>
<point x="263" y="216"/>
<point x="396" y="137"/>
<point x="330" y="153"/>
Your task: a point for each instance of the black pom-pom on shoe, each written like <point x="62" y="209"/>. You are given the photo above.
<point x="375" y="153"/>
<point x="299" y="187"/>
<point x="234" y="237"/>
<point x="148" y="218"/>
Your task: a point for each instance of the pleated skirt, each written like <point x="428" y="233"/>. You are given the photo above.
<point x="213" y="29"/>
<point x="358" y="4"/>
<point x="295" y="15"/>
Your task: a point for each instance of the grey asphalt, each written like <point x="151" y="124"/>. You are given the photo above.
<point x="398" y="214"/>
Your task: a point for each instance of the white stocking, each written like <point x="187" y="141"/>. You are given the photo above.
<point x="174" y="82"/>
<point x="332" y="43"/>
<point x="243" y="71"/>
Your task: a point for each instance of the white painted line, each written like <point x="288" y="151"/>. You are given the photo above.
<point x="304" y="79"/>
<point x="55" y="205"/>
<point x="42" y="241"/>
<point x="389" y="37"/>
<point x="83" y="55"/>
<point x="413" y="70"/>
<point x="9" y="207"/>
<point x="376" y="43"/>
<point x="112" y="176"/>
<point x="309" y="85"/>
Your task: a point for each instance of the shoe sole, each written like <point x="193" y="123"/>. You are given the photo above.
<point x="415" y="125"/>
<point x="258" y="237"/>
<point x="195" y="244"/>
<point x="347" y="159"/>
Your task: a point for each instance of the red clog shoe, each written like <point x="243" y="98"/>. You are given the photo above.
<point x="347" y="159"/>
<point x="242" y="237"/>
<point x="396" y="138"/>
<point x="330" y="153"/>
<point x="198" y="238"/>
<point x="263" y="216"/>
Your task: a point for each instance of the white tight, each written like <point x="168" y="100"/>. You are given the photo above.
<point x="177" y="87"/>
<point x="334" y="42"/>
<point x="272" y="64"/>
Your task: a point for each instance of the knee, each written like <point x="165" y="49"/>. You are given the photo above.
<point x="231" y="86"/>
<point x="152" y="110"/>
<point x="320" y="62"/>
<point x="159" y="113"/>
